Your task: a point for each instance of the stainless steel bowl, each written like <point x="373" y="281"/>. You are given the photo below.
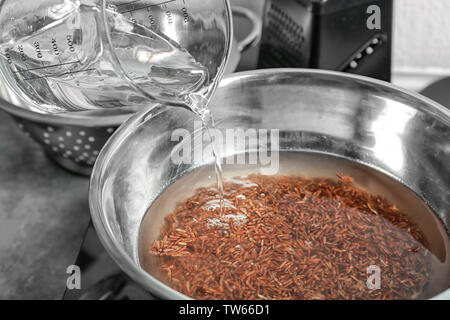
<point x="400" y="133"/>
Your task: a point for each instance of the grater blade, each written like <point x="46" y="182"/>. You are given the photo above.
<point x="286" y="43"/>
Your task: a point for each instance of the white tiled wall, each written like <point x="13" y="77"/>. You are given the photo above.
<point x="421" y="43"/>
<point x="422" y="34"/>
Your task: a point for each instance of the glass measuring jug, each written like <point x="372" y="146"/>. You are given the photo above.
<point x="73" y="55"/>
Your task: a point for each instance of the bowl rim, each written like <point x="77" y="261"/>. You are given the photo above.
<point x="105" y="234"/>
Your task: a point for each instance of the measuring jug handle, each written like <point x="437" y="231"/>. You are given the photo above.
<point x="254" y="36"/>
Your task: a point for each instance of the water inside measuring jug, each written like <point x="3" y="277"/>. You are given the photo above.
<point x="64" y="64"/>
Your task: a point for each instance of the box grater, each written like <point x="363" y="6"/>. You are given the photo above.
<point x="327" y="34"/>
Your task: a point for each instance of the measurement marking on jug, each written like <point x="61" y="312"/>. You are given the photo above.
<point x="70" y="43"/>
<point x="145" y="7"/>
<point x="61" y="74"/>
<point x="169" y="16"/>
<point x="132" y="19"/>
<point x="37" y="47"/>
<point x="23" y="57"/>
<point x="55" y="47"/>
<point x="185" y="14"/>
<point x="49" y="66"/>
<point x="151" y="19"/>
<point x="8" y="56"/>
<point x="127" y="3"/>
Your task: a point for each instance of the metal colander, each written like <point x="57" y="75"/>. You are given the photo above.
<point x="73" y="147"/>
<point x="73" y="142"/>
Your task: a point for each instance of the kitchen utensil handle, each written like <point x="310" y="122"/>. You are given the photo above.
<point x="254" y="36"/>
<point x="106" y="289"/>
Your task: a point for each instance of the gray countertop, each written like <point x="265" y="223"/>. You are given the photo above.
<point x="43" y="217"/>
